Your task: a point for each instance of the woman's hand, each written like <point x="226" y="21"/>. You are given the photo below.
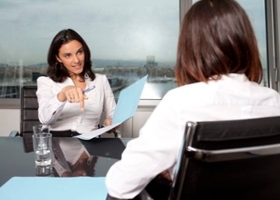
<point x="72" y="94"/>
<point x="108" y="121"/>
<point x="66" y="174"/>
<point x="166" y="175"/>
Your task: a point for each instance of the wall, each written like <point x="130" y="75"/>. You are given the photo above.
<point x="9" y="120"/>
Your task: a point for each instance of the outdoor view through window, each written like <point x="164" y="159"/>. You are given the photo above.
<point x="128" y="39"/>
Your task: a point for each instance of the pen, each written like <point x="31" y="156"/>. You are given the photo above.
<point x="88" y="89"/>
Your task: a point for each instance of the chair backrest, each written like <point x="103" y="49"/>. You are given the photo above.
<point x="28" y="109"/>
<point x="237" y="159"/>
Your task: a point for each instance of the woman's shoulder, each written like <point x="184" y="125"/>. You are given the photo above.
<point x="43" y="79"/>
<point x="188" y="88"/>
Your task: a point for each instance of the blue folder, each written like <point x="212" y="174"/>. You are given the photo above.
<point x="128" y="101"/>
<point x="51" y="188"/>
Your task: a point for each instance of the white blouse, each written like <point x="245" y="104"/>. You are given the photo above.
<point x="68" y="116"/>
<point x="157" y="147"/>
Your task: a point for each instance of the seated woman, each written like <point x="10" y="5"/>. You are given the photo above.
<point x="218" y="70"/>
<point x="72" y="97"/>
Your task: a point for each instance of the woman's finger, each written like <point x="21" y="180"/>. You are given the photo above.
<point x="80" y="98"/>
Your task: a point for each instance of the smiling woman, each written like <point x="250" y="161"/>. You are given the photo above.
<point x="62" y="102"/>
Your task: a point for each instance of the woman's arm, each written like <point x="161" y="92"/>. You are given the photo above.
<point x="50" y="107"/>
<point x="109" y="103"/>
<point x="155" y="150"/>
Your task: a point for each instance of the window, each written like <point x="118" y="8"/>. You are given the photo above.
<point x="128" y="39"/>
<point x="256" y="13"/>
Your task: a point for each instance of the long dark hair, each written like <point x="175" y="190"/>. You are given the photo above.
<point x="216" y="38"/>
<point x="56" y="70"/>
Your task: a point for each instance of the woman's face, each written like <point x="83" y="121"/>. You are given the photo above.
<point x="72" y="56"/>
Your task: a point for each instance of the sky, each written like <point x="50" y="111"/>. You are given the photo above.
<point x="121" y="30"/>
<point x="125" y="29"/>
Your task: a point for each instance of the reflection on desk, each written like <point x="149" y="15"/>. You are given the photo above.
<point x="71" y="158"/>
<point x="96" y="156"/>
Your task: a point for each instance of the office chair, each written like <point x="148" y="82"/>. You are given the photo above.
<point x="238" y="159"/>
<point x="28" y="110"/>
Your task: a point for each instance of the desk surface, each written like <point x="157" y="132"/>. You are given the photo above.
<point x="17" y="156"/>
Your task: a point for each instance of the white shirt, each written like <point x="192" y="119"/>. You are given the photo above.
<point x="157" y="147"/>
<point x="68" y="116"/>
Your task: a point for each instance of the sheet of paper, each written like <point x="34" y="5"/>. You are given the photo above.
<point x="128" y="101"/>
<point x="126" y="106"/>
<point x="46" y="188"/>
<point x="90" y="135"/>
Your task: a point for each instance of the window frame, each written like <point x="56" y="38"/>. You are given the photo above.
<point x="273" y="45"/>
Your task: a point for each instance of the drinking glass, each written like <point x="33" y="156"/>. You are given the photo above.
<point x="42" y="145"/>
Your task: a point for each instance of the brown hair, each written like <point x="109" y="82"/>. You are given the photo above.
<point x="216" y="38"/>
<point x="56" y="70"/>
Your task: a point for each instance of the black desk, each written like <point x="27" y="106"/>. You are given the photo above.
<point x="17" y="156"/>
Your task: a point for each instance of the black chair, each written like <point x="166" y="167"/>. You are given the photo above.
<point x="28" y="110"/>
<point x="237" y="159"/>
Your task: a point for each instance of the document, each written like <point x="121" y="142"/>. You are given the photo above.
<point x="126" y="106"/>
<point x="46" y="188"/>
<point x="128" y="101"/>
<point x="90" y="135"/>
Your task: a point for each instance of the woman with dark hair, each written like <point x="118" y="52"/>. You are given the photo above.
<point x="72" y="97"/>
<point x="218" y="70"/>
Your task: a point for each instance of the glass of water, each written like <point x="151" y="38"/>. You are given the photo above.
<point x="42" y="145"/>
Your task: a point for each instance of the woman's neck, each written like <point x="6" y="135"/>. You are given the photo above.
<point x="77" y="78"/>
